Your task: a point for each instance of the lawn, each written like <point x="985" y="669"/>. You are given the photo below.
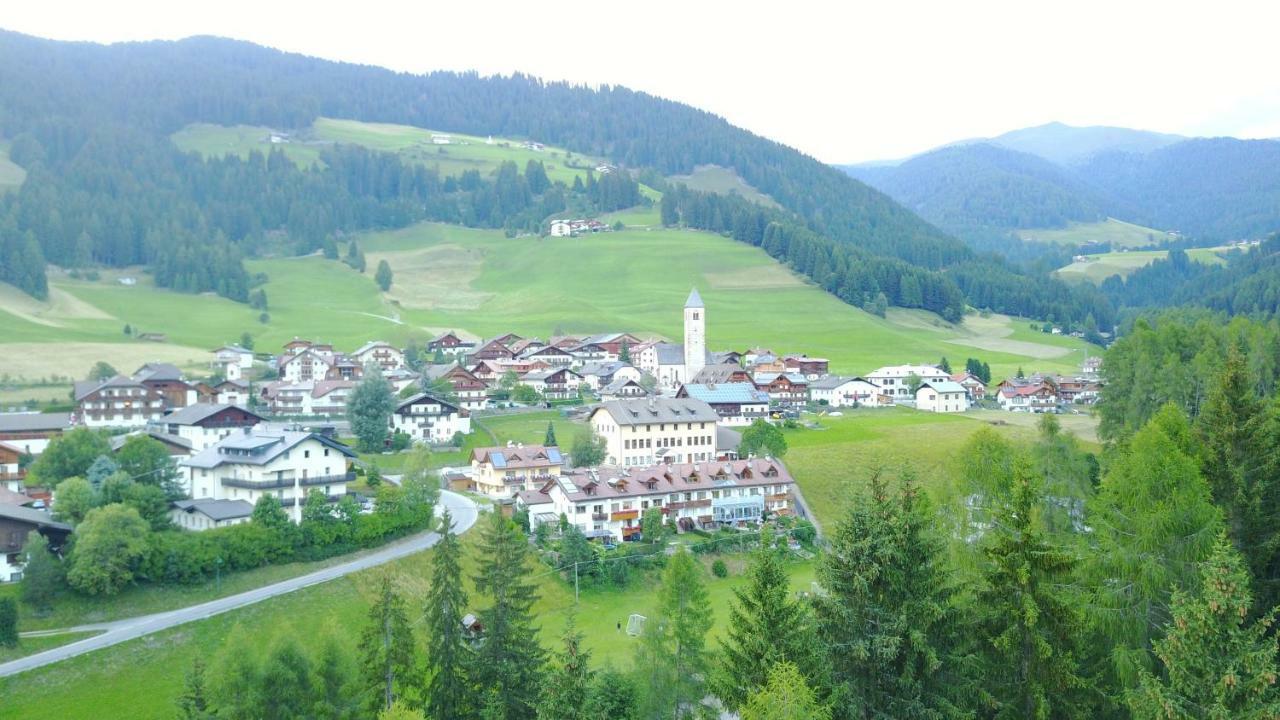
<point x="1117" y="232"/>
<point x="215" y="141"/>
<point x="529" y="428"/>
<point x="140" y="679"/>
<point x="722" y="180"/>
<point x="1103" y="265"/>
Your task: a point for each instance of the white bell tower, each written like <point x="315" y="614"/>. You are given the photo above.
<point x="695" y="335"/>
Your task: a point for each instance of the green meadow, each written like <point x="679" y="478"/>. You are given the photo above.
<point x="1097" y="268"/>
<point x="240" y="140"/>
<point x="12" y="175"/>
<point x="1117" y="232"/>
<point x="722" y="180"/>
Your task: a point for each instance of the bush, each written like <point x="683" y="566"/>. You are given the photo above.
<point x="719" y="569"/>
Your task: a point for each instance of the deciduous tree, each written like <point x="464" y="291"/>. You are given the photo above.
<point x="110" y="544"/>
<point x="369" y="410"/>
<point x="763" y="438"/>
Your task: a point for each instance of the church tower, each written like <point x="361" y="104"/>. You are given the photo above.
<point x="695" y="335"/>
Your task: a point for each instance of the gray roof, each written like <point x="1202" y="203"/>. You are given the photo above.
<point x="158" y="371"/>
<point x="669" y="353"/>
<point x="118" y="441"/>
<point x="39" y="518"/>
<point x="727" y="439"/>
<point x="257" y="447"/>
<point x="619" y="383"/>
<point x="831" y="382"/>
<point x="26" y="422"/>
<point x="217" y="510"/>
<point x="602" y="369"/>
<point x="727" y="393"/>
<point x="192" y="414"/>
<point x="717" y="373"/>
<point x="427" y="397"/>
<point x="695" y="300"/>
<point x="945" y="386"/>
<point x="642" y="411"/>
<point x="85" y="387"/>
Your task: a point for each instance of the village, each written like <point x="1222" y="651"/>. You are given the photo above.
<point x="669" y="418"/>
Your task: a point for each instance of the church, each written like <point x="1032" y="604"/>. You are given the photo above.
<point x="671" y="364"/>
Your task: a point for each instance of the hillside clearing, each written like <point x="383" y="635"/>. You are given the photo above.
<point x="12" y="175"/>
<point x="32" y="361"/>
<point x="213" y="141"/>
<point x="1117" y="232"/>
<point x="1097" y="268"/>
<point x="722" y="180"/>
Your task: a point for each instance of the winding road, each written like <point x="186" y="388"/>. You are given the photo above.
<point x="465" y="513"/>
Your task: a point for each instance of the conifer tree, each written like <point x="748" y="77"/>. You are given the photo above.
<point x="1216" y="664"/>
<point x="383" y="275"/>
<point x="509" y="662"/>
<point x="193" y="703"/>
<point x="785" y="696"/>
<point x="673" y="652"/>
<point x="766" y="626"/>
<point x="567" y="687"/>
<point x="447" y="691"/>
<point x="386" y="648"/>
<point x="550" y="439"/>
<point x="43" y="575"/>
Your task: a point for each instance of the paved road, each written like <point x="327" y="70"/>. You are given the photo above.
<point x="465" y="513"/>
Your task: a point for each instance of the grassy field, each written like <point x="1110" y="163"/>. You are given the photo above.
<point x="32" y="645"/>
<point x="1117" y="232"/>
<point x="240" y="140"/>
<point x="1102" y="266"/>
<point x="12" y="175"/>
<point x="716" y="179"/>
<point x="529" y="428"/>
<point x="635" y="280"/>
<point x="140" y="679"/>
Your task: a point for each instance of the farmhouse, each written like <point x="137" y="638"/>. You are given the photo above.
<point x="610" y="503"/>
<point x="786" y="390"/>
<point x="16" y="523"/>
<point x="429" y="419"/>
<point x="31" y="432"/>
<point x="267" y="461"/>
<point x="895" y="380"/>
<point x="735" y="403"/>
<point x="504" y="471"/>
<point x="972" y="384"/>
<point x="835" y="391"/>
<point x="943" y="396"/>
<point x="205" y="514"/>
<point x="650" y="430"/>
<point x="554" y="384"/>
<point x="205" y="424"/>
<point x="1024" y="395"/>
<point x="118" y="402"/>
<point x="470" y="390"/>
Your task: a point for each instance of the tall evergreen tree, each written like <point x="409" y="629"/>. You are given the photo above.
<point x="674" y="658"/>
<point x="786" y="695"/>
<point x="884" y="613"/>
<point x="447" y="692"/>
<point x="1216" y="664"/>
<point x="566" y="688"/>
<point x="383" y="275"/>
<point x="386" y="649"/>
<point x="509" y="662"/>
<point x="43" y="575"/>
<point x="550" y="439"/>
<point x="766" y="626"/>
<point x="1028" y="625"/>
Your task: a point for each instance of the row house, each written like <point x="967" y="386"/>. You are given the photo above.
<point x="610" y="503"/>
<point x="262" y="461"/>
<point x="644" y="431"/>
<point x="835" y="391"/>
<point x="735" y="403"/>
<point x="379" y="353"/>
<point x="504" y="471"/>
<point x="429" y="419"/>
<point x="554" y="384"/>
<point x="470" y="391"/>
<point x="786" y="390"/>
<point x="895" y="380"/>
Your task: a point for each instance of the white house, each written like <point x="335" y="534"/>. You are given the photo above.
<point x="233" y="355"/>
<point x="379" y="353"/>
<point x="428" y="419"/>
<point x="561" y="228"/>
<point x="835" y="391"/>
<point x="894" y="380"/>
<point x="644" y="431"/>
<point x="206" y="424"/>
<point x="206" y="514"/>
<point x="231" y="392"/>
<point x="946" y="396"/>
<point x="610" y="503"/>
<point x="268" y="461"/>
<point x="555" y="384"/>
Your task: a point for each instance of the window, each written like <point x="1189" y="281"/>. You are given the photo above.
<point x="306" y="453"/>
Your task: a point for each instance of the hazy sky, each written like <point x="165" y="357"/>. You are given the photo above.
<point x="843" y="81"/>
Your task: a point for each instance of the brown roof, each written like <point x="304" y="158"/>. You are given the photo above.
<point x="516" y="457"/>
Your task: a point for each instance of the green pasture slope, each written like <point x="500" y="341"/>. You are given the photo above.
<point x="716" y="179"/>
<point x="1117" y="232"/>
<point x="1102" y="266"/>
<point x="12" y="175"/>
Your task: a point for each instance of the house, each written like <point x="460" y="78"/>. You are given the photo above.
<point x="233" y="355"/>
<point x="306" y="364"/>
<point x="31" y="432"/>
<point x="650" y="430"/>
<point x="401" y="378"/>
<point x="493" y="350"/>
<point x="586" y="352"/>
<point x="943" y="396"/>
<point x="972" y="384"/>
<point x="1091" y="367"/>
<point x="836" y="391"/>
<point x="554" y="384"/>
<point x="205" y="424"/>
<point x="231" y="392"/>
<point x="167" y="380"/>
<point x="724" y="357"/>
<point x="612" y="343"/>
<point x="450" y="343"/>
<point x="309" y="397"/>
<point x="573" y="228"/>
<point x="266" y="460"/>
<point x="1027" y="395"/>
<point x="329" y="397"/>
<point x="206" y="514"/>
<point x="721" y="373"/>
<point x="552" y="356"/>
<point x="561" y="228"/>
<point x="600" y="374"/>
<point x="523" y="345"/>
<point x="737" y="403"/>
<point x="786" y="390"/>
<point x="429" y="419"/>
<point x="895" y="380"/>
<point x="609" y="503"/>
<point x="471" y="392"/>
<point x="623" y="387"/>
<point x="1078" y="390"/>
<point x="811" y="368"/>
<point x="440" y="139"/>
<point x="754" y="355"/>
<point x="16" y="523"/>
<point x="504" y="471"/>
<point x="381" y="354"/>
<point x="12" y="471"/>
<point x="117" y="402"/>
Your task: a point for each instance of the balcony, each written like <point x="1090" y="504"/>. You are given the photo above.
<point x="625" y="515"/>
<point x="271" y="484"/>
<point x="599" y="516"/>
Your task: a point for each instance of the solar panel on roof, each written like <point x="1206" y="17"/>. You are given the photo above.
<point x="498" y="459"/>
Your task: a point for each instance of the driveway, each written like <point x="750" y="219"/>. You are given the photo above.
<point x="464" y="510"/>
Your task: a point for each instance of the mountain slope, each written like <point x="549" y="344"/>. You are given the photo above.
<point x="1064" y="144"/>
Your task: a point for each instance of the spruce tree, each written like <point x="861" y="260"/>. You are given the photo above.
<point x="1028" y="626"/>
<point x="43" y="576"/>
<point x="567" y="686"/>
<point x="386" y="649"/>
<point x="509" y="662"/>
<point x="786" y="695"/>
<point x="674" y="658"/>
<point x="1216" y="664"/>
<point x="383" y="275"/>
<point x="447" y="691"/>
<point x="550" y="439"/>
<point x="766" y="626"/>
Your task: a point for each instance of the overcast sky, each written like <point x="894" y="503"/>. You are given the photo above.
<point x="843" y="81"/>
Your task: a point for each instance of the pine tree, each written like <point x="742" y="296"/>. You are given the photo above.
<point x="550" y="439"/>
<point x="674" y="659"/>
<point x="766" y="626"/>
<point x="449" y="656"/>
<point x="885" y="614"/>
<point x="193" y="703"/>
<point x="43" y="575"/>
<point x="383" y="275"/>
<point x="945" y="366"/>
<point x="1214" y="664"/>
<point x="1028" y="626"/>
<point x="336" y="697"/>
<point x="624" y="353"/>
<point x="386" y="648"/>
<point x="509" y="661"/>
<point x="566" y="688"/>
<point x="785" y="696"/>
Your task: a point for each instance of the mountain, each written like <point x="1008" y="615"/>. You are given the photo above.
<point x="91" y="124"/>
<point x="1070" y="145"/>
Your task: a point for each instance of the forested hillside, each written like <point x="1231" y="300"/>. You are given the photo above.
<point x="90" y="123"/>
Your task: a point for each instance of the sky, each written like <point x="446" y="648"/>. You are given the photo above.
<point x="842" y="81"/>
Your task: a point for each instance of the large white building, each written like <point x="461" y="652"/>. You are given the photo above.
<point x="428" y="419"/>
<point x="267" y="461"/>
<point x="644" y="431"/>
<point x="610" y="503"/>
<point x="206" y="424"/>
<point x="895" y="380"/>
<point x="835" y="391"/>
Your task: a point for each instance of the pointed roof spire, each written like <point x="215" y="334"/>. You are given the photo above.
<point x="695" y="300"/>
